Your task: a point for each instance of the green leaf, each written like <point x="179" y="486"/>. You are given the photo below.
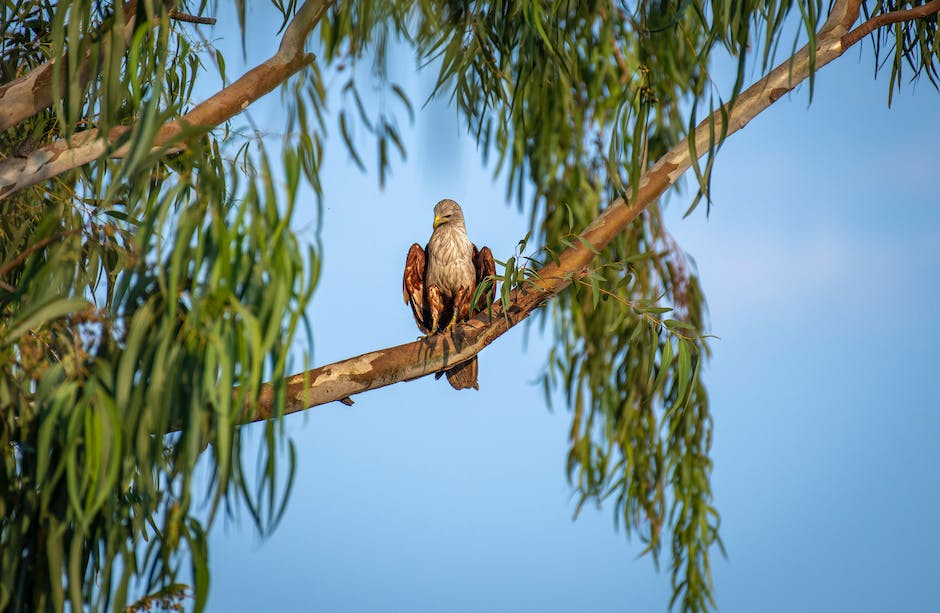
<point x="587" y="244"/>
<point x="665" y="364"/>
<point x="200" y="561"/>
<point x="399" y="92"/>
<point x="46" y="313"/>
<point x="344" y="130"/>
<point x="683" y="367"/>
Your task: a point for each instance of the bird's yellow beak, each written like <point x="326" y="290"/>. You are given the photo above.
<point x="437" y="221"/>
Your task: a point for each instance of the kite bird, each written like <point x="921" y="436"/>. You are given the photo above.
<point x="441" y="279"/>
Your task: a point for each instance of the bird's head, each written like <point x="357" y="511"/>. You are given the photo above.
<point x="447" y="211"/>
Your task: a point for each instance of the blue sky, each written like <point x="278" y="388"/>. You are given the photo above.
<point x="820" y="261"/>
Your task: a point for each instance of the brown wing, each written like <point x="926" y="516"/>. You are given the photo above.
<point x="413" y="285"/>
<point x="485" y="266"/>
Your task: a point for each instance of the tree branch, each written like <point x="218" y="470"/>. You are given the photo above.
<point x="179" y="16"/>
<point x="342" y="379"/>
<point x="888" y="18"/>
<point x="24" y="97"/>
<point x="64" y="155"/>
<point x="16" y="261"/>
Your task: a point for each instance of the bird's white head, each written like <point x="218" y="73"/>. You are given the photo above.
<point x="447" y="211"/>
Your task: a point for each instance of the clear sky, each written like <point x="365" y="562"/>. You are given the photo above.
<point x="820" y="261"/>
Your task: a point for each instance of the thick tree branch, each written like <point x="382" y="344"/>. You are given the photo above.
<point x="24" y="97"/>
<point x="405" y="362"/>
<point x="63" y="155"/>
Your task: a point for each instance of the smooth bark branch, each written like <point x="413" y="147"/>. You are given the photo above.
<point x="405" y="362"/>
<point x="24" y="97"/>
<point x="63" y="155"/>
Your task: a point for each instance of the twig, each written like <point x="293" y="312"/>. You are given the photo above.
<point x="638" y="310"/>
<point x="618" y="53"/>
<point x="179" y="16"/>
<point x="11" y="264"/>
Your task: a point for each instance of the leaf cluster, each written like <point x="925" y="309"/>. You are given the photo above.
<point x="912" y="45"/>
<point x="148" y="294"/>
<point x="156" y="290"/>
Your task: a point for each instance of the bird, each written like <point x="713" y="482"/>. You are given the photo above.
<point x="440" y="281"/>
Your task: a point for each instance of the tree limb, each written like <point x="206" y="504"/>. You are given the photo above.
<point x="341" y="379"/>
<point x="884" y="19"/>
<point x="24" y="97"/>
<point x="64" y="155"/>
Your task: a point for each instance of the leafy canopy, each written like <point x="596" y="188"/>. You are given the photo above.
<point x="154" y="291"/>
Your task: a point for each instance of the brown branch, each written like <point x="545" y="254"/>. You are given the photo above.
<point x="11" y="264"/>
<point x="618" y="53"/>
<point x="621" y="63"/>
<point x="24" y="97"/>
<point x="178" y="16"/>
<point x="405" y="362"/>
<point x="844" y="14"/>
<point x="885" y="19"/>
<point x="62" y="155"/>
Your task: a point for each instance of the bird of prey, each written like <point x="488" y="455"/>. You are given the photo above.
<point x="441" y="279"/>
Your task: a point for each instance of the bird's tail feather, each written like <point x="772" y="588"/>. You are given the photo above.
<point x="463" y="376"/>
